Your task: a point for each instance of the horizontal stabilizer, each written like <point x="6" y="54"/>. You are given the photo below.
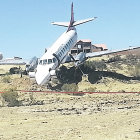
<point x="65" y="24"/>
<point x="83" y="21"/>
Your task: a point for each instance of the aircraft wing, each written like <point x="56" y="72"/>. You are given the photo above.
<point x="94" y="54"/>
<point x="81" y="57"/>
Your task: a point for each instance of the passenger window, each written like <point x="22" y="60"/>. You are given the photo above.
<point x="49" y="61"/>
<point x="64" y="49"/>
<point x="67" y="45"/>
<point x="59" y="55"/>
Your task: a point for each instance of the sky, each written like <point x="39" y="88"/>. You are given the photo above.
<point x="25" y="28"/>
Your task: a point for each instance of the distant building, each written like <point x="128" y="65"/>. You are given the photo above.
<point x="85" y="45"/>
<point x="13" y="61"/>
<point x="99" y="47"/>
<point x="1" y="56"/>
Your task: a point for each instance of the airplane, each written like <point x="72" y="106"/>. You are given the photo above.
<point x="58" y="53"/>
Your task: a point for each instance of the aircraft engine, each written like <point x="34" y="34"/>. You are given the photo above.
<point x="81" y="57"/>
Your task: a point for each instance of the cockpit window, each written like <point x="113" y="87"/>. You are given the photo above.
<point x="49" y="61"/>
<point x="45" y="62"/>
<point x="54" y="60"/>
<point x="40" y="62"/>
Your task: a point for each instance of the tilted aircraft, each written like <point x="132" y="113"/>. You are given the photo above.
<point x="58" y="53"/>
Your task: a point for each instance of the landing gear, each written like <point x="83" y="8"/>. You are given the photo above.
<point x="78" y="66"/>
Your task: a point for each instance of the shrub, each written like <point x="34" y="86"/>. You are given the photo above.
<point x="11" y="97"/>
<point x="100" y="65"/>
<point x="74" y="74"/>
<point x="14" y="70"/>
<point x="89" y="66"/>
<point x="6" y="79"/>
<point x="71" y="75"/>
<point x="70" y="87"/>
<point x="137" y="70"/>
<point x="94" y="77"/>
<point x="91" y="89"/>
<point x="114" y="59"/>
<point x="33" y="101"/>
<point x="132" y="59"/>
<point x="94" y="65"/>
<point x="7" y="73"/>
<point x="134" y="71"/>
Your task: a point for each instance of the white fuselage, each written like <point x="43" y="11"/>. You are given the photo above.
<point x="54" y="56"/>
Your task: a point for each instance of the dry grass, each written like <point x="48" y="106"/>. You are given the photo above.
<point x="105" y="84"/>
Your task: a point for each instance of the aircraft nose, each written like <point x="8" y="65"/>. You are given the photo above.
<point x="42" y="78"/>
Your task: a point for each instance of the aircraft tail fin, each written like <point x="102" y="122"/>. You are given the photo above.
<point x="66" y="24"/>
<point x="72" y="15"/>
<point x="72" y="23"/>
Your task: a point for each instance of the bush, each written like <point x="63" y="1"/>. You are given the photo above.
<point x="71" y="75"/>
<point x="74" y="74"/>
<point x="33" y="101"/>
<point x="100" y="65"/>
<point x="91" y="89"/>
<point x="14" y="70"/>
<point x="91" y="66"/>
<point x="114" y="59"/>
<point x="6" y="79"/>
<point x="11" y="97"/>
<point x="94" y="77"/>
<point x="132" y="59"/>
<point x="88" y="66"/>
<point x="69" y="87"/>
<point x="136" y="71"/>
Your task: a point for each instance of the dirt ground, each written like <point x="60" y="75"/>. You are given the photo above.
<point x="44" y="116"/>
<point x="73" y="117"/>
